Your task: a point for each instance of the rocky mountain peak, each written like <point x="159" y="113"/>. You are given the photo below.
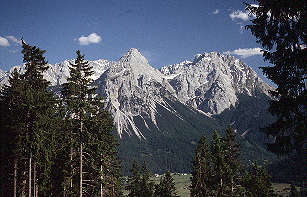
<point x="213" y="81"/>
<point x="134" y="56"/>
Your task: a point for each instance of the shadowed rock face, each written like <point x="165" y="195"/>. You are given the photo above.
<point x="134" y="90"/>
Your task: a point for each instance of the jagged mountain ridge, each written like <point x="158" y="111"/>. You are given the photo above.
<point x="132" y="88"/>
<point x="213" y="81"/>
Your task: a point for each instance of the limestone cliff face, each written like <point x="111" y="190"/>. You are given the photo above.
<point x="212" y="82"/>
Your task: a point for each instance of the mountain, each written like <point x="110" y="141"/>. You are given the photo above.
<point x="213" y="81"/>
<point x="160" y="114"/>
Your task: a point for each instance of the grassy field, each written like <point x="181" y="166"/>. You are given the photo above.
<point x="182" y="183"/>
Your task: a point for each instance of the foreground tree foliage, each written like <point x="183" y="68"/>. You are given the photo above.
<point x="53" y="147"/>
<point x="28" y="126"/>
<point x="280" y="26"/>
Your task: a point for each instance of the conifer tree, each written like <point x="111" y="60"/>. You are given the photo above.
<point x="29" y="120"/>
<point x="103" y="151"/>
<point x="10" y="144"/>
<point x="232" y="154"/>
<point x="134" y="181"/>
<point x="201" y="170"/>
<point x="93" y="148"/>
<point x="139" y="182"/>
<point x="257" y="182"/>
<point x="166" y="187"/>
<point x="146" y="184"/>
<point x="219" y="165"/>
<point x="76" y="94"/>
<point x="280" y="27"/>
<point x="38" y="108"/>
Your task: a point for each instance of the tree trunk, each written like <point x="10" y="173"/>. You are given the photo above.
<point x="23" y="189"/>
<point x="71" y="166"/>
<point x="15" y="177"/>
<point x="232" y="187"/>
<point x="101" y="183"/>
<point x="81" y="159"/>
<point x="30" y="172"/>
<point x="221" y="182"/>
<point x="81" y="177"/>
<point x="34" y="179"/>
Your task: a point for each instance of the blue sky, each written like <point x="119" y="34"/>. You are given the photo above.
<point x="165" y="31"/>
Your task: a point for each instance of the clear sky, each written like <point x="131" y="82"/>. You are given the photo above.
<point x="165" y="31"/>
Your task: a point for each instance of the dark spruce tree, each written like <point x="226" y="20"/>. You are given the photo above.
<point x="166" y="187"/>
<point x="281" y="28"/>
<point x="232" y="159"/>
<point x="146" y="184"/>
<point x="201" y="170"/>
<point x="219" y="166"/>
<point x="92" y="168"/>
<point x="29" y="120"/>
<point x="257" y="182"/>
<point x="139" y="182"/>
<point x="134" y="181"/>
<point x="103" y="147"/>
<point x="10" y="134"/>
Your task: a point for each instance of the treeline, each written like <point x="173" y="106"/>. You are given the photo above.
<point x="216" y="172"/>
<point x="140" y="184"/>
<point x="55" y="145"/>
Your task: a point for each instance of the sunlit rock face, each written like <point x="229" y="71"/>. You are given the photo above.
<point x="212" y="82"/>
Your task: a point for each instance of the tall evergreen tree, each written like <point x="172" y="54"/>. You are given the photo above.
<point x="280" y="26"/>
<point x="257" y="182"/>
<point x="29" y="116"/>
<point x="93" y="148"/>
<point x="166" y="187"/>
<point x="139" y="182"/>
<point x="201" y="170"/>
<point x="134" y="181"/>
<point x="146" y="184"/>
<point x="232" y="158"/>
<point x="219" y="165"/>
<point x="38" y="108"/>
<point x="11" y="141"/>
<point x="77" y="95"/>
